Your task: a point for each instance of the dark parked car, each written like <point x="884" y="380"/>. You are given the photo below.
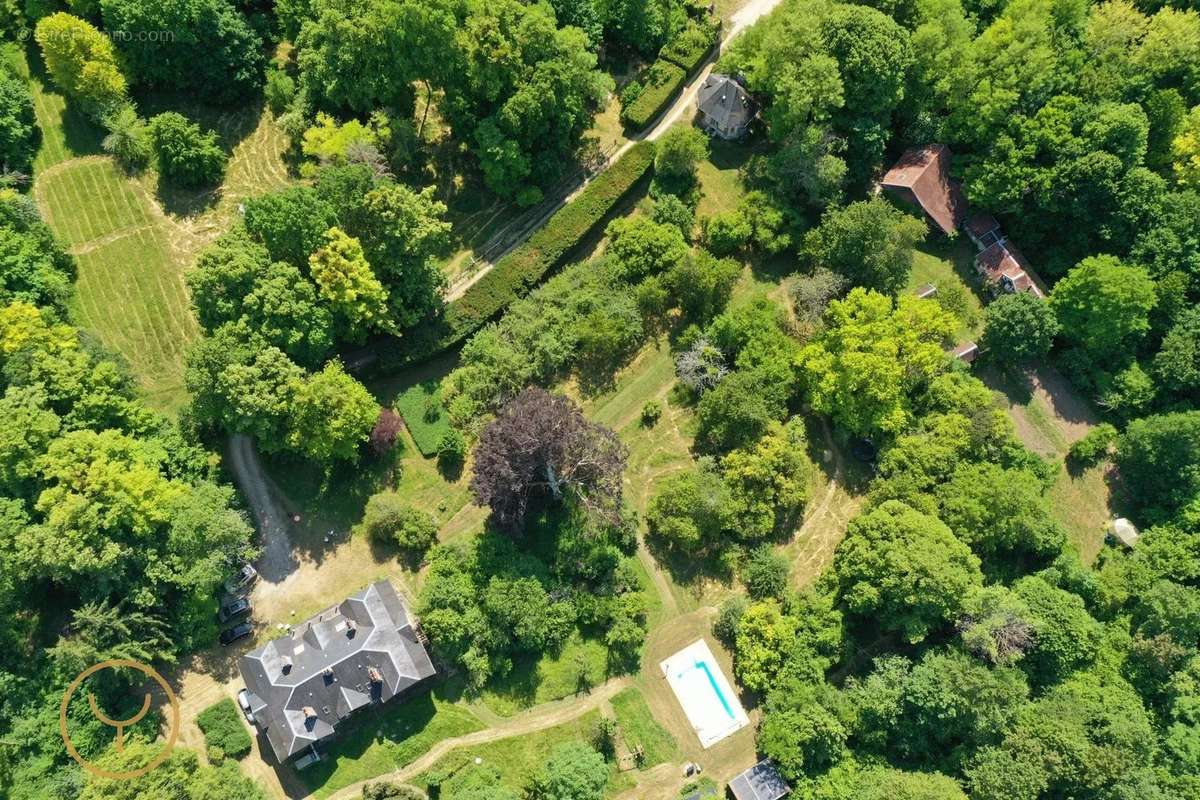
<point x="245" y="576"/>
<point x="231" y="635"/>
<point x="234" y="608"/>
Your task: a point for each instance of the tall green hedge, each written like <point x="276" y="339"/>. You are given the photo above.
<point x="526" y="266"/>
<point x="689" y="49"/>
<point x="222" y="726"/>
<point x="661" y="82"/>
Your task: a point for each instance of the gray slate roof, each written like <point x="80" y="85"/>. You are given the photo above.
<point x="760" y="782"/>
<point x="725" y="102"/>
<point x="327" y="666"/>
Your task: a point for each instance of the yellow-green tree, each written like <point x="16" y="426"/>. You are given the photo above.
<point x="1185" y="151"/>
<point x="81" y="60"/>
<point x="347" y="282"/>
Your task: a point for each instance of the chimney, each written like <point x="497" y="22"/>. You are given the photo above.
<point x="375" y="675"/>
<point x="351" y="627"/>
<point x="286" y="663"/>
<point x="310" y="713"/>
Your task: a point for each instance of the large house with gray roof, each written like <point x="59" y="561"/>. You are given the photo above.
<point x="726" y="109"/>
<point x="362" y="651"/>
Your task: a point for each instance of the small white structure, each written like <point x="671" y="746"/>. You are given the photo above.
<point x="708" y="700"/>
<point x="1123" y="531"/>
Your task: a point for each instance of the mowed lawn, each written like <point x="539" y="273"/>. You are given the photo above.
<point x="132" y="253"/>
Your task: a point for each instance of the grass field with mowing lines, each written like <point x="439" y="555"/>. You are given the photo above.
<point x="131" y="253"/>
<point x="639" y="728"/>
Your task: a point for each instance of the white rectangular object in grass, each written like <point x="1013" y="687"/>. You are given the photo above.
<point x="709" y="701"/>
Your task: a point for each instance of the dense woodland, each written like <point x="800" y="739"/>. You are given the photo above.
<point x="957" y="647"/>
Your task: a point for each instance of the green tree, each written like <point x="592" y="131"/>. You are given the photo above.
<point x="765" y="638"/>
<point x="186" y="155"/>
<point x="17" y="123"/>
<point x="574" y="771"/>
<point x="1066" y="636"/>
<point x="768" y="481"/>
<point x="1160" y="445"/>
<point x="1019" y="327"/>
<point x="803" y="730"/>
<point x="739" y="410"/>
<point x="690" y="510"/>
<point x="128" y="139"/>
<point x="1002" y="515"/>
<point x="1177" y="363"/>
<point x="82" y="61"/>
<point x="996" y="625"/>
<point x="872" y="358"/>
<point x="904" y="568"/>
<point x="348" y="284"/>
<point x="642" y="247"/>
<point x="765" y="573"/>
<point x="702" y="284"/>
<point x="678" y="151"/>
<point x="403" y="232"/>
<point x="1104" y="305"/>
<point x="290" y="223"/>
<point x="388" y="518"/>
<point x="211" y="51"/>
<point x="333" y="416"/>
<point x="870" y="243"/>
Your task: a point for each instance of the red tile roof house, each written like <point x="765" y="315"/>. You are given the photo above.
<point x="922" y="178"/>
<point x="1003" y="266"/>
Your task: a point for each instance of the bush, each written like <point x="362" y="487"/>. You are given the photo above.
<point x="216" y="755"/>
<point x="765" y="573"/>
<point x="729" y="618"/>
<point x="660" y="83"/>
<point x="223" y="729"/>
<point x="524" y="267"/>
<point x="391" y="520"/>
<point x="280" y="91"/>
<point x="1094" y="445"/>
<point x="651" y="412"/>
<point x="688" y="49"/>
<point x="727" y="232"/>
<point x="452" y="450"/>
<point x="186" y="155"/>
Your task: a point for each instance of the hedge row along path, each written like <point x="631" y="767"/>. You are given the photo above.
<point x="744" y="18"/>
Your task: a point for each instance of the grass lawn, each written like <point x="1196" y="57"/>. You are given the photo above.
<point x="719" y="180"/>
<point x="516" y="759"/>
<point x="638" y="727"/>
<point x="133" y="241"/>
<point x="380" y="741"/>
<point x="948" y="265"/>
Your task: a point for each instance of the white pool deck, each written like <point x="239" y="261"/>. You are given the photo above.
<point x="711" y="704"/>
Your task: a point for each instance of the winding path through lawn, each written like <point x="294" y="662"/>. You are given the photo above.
<point x="536" y="719"/>
<point x="744" y="18"/>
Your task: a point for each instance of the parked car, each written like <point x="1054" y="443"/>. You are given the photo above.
<point x="234" y="608"/>
<point x="245" y="576"/>
<point x="231" y="635"/>
<point x="243" y="698"/>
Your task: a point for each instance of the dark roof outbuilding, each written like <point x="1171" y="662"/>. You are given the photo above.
<point x="760" y="782"/>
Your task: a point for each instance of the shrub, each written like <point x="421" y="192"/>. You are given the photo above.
<point x="128" y="138"/>
<point x="524" y="267"/>
<point x="660" y="83"/>
<point x="765" y="573"/>
<point x="729" y="618"/>
<point x="651" y="412"/>
<point x="452" y="450"/>
<point x="186" y="155"/>
<point x="727" y="232"/>
<point x="280" y="91"/>
<point x="689" y="47"/>
<point x="387" y="429"/>
<point x="223" y="729"/>
<point x="1094" y="445"/>
<point x="389" y="519"/>
<point x="216" y="755"/>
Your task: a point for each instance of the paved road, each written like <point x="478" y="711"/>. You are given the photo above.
<point x="744" y="18"/>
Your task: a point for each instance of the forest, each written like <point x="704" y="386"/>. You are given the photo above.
<point x="958" y="645"/>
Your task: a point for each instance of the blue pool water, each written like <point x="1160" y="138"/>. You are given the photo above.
<point x="703" y="665"/>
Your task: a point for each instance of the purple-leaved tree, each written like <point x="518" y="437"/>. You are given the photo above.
<point x="541" y="445"/>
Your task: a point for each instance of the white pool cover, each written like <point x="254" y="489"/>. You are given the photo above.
<point x="711" y="704"/>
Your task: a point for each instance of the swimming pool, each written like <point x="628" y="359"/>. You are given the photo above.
<point x="708" y="700"/>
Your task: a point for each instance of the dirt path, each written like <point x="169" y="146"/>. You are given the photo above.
<point x="536" y="719"/>
<point x="278" y="559"/>
<point x="744" y="18"/>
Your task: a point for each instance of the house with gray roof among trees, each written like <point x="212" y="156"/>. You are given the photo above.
<point x="361" y="651"/>
<point x="726" y="109"/>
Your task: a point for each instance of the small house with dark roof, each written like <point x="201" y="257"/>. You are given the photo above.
<point x="362" y="651"/>
<point x="726" y="109"/>
<point x="922" y="178"/>
<point x="760" y="782"/>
